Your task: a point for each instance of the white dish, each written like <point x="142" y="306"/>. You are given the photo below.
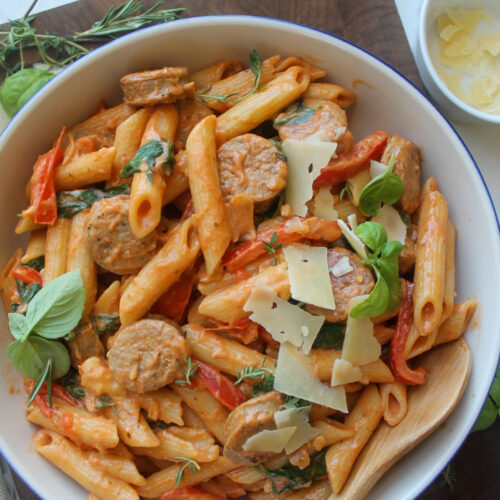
<point x="385" y="100"/>
<point x="427" y="36"/>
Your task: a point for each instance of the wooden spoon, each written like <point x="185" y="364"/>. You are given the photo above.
<point x="447" y="372"/>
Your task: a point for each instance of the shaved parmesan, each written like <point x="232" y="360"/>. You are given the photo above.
<point x="299" y="418"/>
<point x="272" y="441"/>
<point x="360" y="345"/>
<point x="353" y="221"/>
<point x="391" y="220"/>
<point x="341" y="268"/>
<point x="354" y="241"/>
<point x="284" y="321"/>
<point x="377" y="168"/>
<point x="344" y="373"/>
<point x="294" y="377"/>
<point x="320" y="136"/>
<point x="309" y="276"/>
<point x="306" y="159"/>
<point x="324" y="205"/>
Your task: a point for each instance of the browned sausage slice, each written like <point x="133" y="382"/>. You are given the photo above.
<point x="156" y="86"/>
<point x="84" y="343"/>
<point x="248" y="419"/>
<point x="357" y="282"/>
<point x="111" y="241"/>
<point x="250" y="165"/>
<point x="407" y="167"/>
<point x="309" y="116"/>
<point x="408" y="253"/>
<point x="144" y="355"/>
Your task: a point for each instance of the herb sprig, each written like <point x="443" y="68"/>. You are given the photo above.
<point x="272" y="246"/>
<point x="188" y="372"/>
<point x="105" y="402"/>
<point x="346" y="190"/>
<point x="300" y="112"/>
<point x="192" y="464"/>
<point x="252" y="373"/>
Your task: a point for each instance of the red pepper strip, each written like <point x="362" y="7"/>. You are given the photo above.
<point x="398" y="362"/>
<point x="43" y="208"/>
<point x="350" y="163"/>
<point x="174" y="301"/>
<point x="221" y="387"/>
<point x="189" y="493"/>
<point x="27" y="275"/>
<point x="289" y="231"/>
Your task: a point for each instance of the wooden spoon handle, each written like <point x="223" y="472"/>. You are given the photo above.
<point x="447" y="372"/>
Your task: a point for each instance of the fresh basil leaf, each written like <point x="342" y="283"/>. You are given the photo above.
<point x="30" y="357"/>
<point x="266" y="385"/>
<point x="18" y="325"/>
<point x="58" y="307"/>
<point x="104" y="323"/>
<point x="389" y="269"/>
<point x="487" y="416"/>
<point x="375" y="303"/>
<point x="386" y="187"/>
<point x="297" y="113"/>
<point x="147" y="154"/>
<point x="17" y="88"/>
<point x="37" y="263"/>
<point x="330" y="336"/>
<point x="373" y="234"/>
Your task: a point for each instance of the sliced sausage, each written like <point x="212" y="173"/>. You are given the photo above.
<point x="144" y="355"/>
<point x="408" y="253"/>
<point x="156" y="86"/>
<point x="84" y="343"/>
<point x="191" y="112"/>
<point x="250" y="165"/>
<point x="357" y="282"/>
<point x="407" y="167"/>
<point x="310" y="116"/>
<point x="111" y="241"/>
<point x="246" y="420"/>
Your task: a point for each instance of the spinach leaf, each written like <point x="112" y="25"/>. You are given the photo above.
<point x="386" y="187"/>
<point x="330" y="336"/>
<point x="37" y="264"/>
<point x="300" y="112"/>
<point x="298" y="477"/>
<point x="71" y="384"/>
<point x="104" y="323"/>
<point x="20" y="86"/>
<point x="27" y="291"/>
<point x="70" y="203"/>
<point x="265" y="385"/>
<point x="293" y="402"/>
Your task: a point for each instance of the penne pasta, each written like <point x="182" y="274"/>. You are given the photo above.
<point x="457" y="322"/>
<point x="345" y="98"/>
<point x="394" y="402"/>
<point x="36" y="246"/>
<point x="56" y="249"/>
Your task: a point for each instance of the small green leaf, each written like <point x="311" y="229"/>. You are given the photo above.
<point x="297" y="113"/>
<point x="487" y="416"/>
<point x="265" y="385"/>
<point x="373" y="234"/>
<point x="386" y="187"/>
<point x="330" y="336"/>
<point x="105" y="323"/>
<point x="21" y="86"/>
<point x="18" y="325"/>
<point x="375" y="303"/>
<point x="57" y="308"/>
<point x="147" y="154"/>
<point x="37" y="263"/>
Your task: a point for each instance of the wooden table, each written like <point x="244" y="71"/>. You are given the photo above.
<point x="375" y="26"/>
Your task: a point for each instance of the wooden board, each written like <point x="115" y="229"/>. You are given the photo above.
<point x="375" y="26"/>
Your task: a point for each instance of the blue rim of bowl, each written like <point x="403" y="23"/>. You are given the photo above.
<point x="448" y="456"/>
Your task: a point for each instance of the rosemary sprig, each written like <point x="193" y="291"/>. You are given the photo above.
<point x="45" y="377"/>
<point x="192" y="464"/>
<point x="346" y="190"/>
<point x="105" y="402"/>
<point x="221" y="98"/>
<point x="60" y="50"/>
<point x="252" y="373"/>
<point x="189" y="371"/>
<point x="272" y="246"/>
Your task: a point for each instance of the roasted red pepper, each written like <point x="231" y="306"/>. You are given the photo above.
<point x="221" y="387"/>
<point x="27" y="275"/>
<point x="401" y="333"/>
<point x="350" y="163"/>
<point x="43" y="207"/>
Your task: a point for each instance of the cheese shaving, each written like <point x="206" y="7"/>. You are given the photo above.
<point x="390" y="219"/>
<point x="342" y="267"/>
<point x="377" y="168"/>
<point x="299" y="418"/>
<point x="324" y="205"/>
<point x="354" y="241"/>
<point x="271" y="441"/>
<point x="344" y="373"/>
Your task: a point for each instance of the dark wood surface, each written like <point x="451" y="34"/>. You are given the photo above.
<point x="375" y="26"/>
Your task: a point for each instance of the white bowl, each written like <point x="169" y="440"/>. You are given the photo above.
<point x="386" y="100"/>
<point x="427" y="36"/>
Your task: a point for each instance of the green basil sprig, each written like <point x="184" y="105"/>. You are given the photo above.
<point x="386" y="187"/>
<point x="384" y="260"/>
<point x="330" y="336"/>
<point x="52" y="313"/>
<point x="301" y="112"/>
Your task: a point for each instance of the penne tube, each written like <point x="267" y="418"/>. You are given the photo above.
<point x="364" y="419"/>
<point x="320" y="490"/>
<point x="457" y="322"/>
<point x="449" y="272"/>
<point x="56" y="249"/>
<point x="36" y="246"/>
<point x="165" y="480"/>
<point x="213" y="227"/>
<point x="383" y="333"/>
<point x="191" y="419"/>
<point x="208" y="76"/>
<point x="191" y="112"/>
<point x="120" y="467"/>
<point x="430" y="263"/>
<point x="86" y="169"/>
<point x="109" y="300"/>
<point x="78" y="257"/>
<point x="227" y="304"/>
<point x="417" y="344"/>
<point x="226" y="355"/>
<point x="78" y="425"/>
<point x="75" y="462"/>
<point x="330" y="92"/>
<point x="394" y="401"/>
<point x="178" y="182"/>
<point x="163" y="405"/>
<point x="263" y="105"/>
<point x="128" y="139"/>
<point x="7" y="282"/>
<point x="314" y="71"/>
<point x="24" y="225"/>
<point x="160" y="273"/>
